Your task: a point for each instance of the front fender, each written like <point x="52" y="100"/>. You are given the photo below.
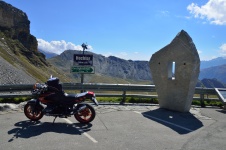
<point x="33" y="102"/>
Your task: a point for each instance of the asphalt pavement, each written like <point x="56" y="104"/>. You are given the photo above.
<point x="116" y="127"/>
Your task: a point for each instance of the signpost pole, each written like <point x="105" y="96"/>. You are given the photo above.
<point x="84" y="46"/>
<point x="83" y="64"/>
<point x="82" y="81"/>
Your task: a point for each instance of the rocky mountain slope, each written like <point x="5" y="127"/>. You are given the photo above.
<point x="47" y="54"/>
<point x="218" y="72"/>
<point x="10" y="74"/>
<point x="108" y="67"/>
<point x="212" y="63"/>
<point x="20" y="61"/>
<point x="113" y="67"/>
<point x="210" y="83"/>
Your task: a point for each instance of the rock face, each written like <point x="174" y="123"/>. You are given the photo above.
<point x="175" y="70"/>
<point x="9" y="74"/>
<point x="15" y="24"/>
<point x="109" y="66"/>
<point x="125" y="69"/>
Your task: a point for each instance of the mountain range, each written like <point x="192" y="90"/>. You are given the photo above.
<point x="212" y="63"/>
<point x="21" y="62"/>
<point x="117" y="70"/>
<point x="213" y="70"/>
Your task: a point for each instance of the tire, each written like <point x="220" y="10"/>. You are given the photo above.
<point x="85" y="116"/>
<point x="33" y="112"/>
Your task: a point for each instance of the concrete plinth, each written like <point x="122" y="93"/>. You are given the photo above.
<point x="175" y="70"/>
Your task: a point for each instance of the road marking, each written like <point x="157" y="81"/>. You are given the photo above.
<point x="164" y="121"/>
<point x="82" y="132"/>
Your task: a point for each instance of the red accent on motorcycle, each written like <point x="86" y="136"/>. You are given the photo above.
<point x="42" y="97"/>
<point x="89" y="92"/>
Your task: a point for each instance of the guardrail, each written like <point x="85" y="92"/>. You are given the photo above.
<point x="10" y="91"/>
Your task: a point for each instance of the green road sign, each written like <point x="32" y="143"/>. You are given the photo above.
<point x="83" y="69"/>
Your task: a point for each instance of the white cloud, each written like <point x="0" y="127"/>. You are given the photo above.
<point x="164" y="12"/>
<point x="199" y="52"/>
<point x="223" y="48"/>
<point x="123" y="54"/>
<point x="129" y="55"/>
<point x="136" y="53"/>
<point x="214" y="11"/>
<point x="58" y="46"/>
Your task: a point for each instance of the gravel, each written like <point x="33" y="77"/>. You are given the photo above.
<point x="9" y="74"/>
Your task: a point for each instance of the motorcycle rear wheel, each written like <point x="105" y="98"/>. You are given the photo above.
<point x="85" y="116"/>
<point x="32" y="112"/>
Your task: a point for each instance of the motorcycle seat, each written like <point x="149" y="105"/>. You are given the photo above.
<point x="69" y="98"/>
<point x="70" y="95"/>
<point x="75" y="95"/>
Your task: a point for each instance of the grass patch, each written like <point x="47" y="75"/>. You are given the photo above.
<point x="208" y="103"/>
<point x="214" y="103"/>
<point x="127" y="100"/>
<point x="16" y="100"/>
<point x="109" y="99"/>
<point x="141" y="100"/>
<point x="196" y="102"/>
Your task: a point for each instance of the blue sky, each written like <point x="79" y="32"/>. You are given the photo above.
<point x="129" y="29"/>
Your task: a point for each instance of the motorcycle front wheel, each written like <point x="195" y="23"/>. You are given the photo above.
<point x="86" y="115"/>
<point x="33" y="112"/>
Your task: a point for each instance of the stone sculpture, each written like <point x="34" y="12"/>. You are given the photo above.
<point x="175" y="70"/>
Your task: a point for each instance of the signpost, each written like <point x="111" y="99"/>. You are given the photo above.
<point x="83" y="69"/>
<point x="83" y="63"/>
<point x="83" y="60"/>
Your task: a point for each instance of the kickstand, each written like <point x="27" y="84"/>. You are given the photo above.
<point x="54" y="119"/>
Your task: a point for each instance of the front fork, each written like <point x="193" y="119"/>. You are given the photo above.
<point x="33" y="103"/>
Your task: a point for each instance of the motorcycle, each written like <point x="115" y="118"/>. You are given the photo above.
<point x="53" y="101"/>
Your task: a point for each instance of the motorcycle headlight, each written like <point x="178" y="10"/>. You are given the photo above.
<point x="36" y="86"/>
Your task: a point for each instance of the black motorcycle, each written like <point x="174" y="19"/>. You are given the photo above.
<point x="52" y="101"/>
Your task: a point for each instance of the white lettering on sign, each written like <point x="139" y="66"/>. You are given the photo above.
<point x="82" y="58"/>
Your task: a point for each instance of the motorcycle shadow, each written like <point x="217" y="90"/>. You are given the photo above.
<point x="27" y="129"/>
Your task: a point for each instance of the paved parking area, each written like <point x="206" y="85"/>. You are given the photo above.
<point x="118" y="127"/>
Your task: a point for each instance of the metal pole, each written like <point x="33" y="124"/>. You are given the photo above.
<point x="202" y="100"/>
<point x="84" y="46"/>
<point x="82" y="75"/>
<point x="82" y="81"/>
<point x="123" y="97"/>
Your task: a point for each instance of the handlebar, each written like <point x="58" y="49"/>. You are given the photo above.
<point x="38" y="88"/>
